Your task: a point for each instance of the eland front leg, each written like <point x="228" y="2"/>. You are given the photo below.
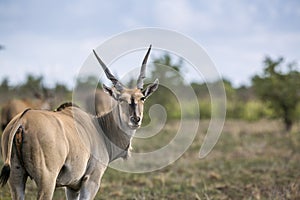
<point x="91" y="182"/>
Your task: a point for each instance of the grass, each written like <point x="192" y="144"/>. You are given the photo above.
<point x="250" y="161"/>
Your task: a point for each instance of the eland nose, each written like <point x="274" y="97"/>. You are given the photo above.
<point x="135" y="119"/>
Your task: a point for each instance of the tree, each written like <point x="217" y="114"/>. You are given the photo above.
<point x="168" y="72"/>
<point x="33" y="86"/>
<point x="4" y="87"/>
<point x="280" y="88"/>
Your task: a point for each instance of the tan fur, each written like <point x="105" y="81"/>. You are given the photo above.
<point x="58" y="150"/>
<point x="16" y="106"/>
<point x="69" y="147"/>
<point x="99" y="103"/>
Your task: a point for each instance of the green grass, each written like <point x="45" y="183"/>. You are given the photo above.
<point x="250" y="161"/>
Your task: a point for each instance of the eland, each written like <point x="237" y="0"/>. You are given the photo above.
<point x="99" y="103"/>
<point x="69" y="147"/>
<point x="15" y="106"/>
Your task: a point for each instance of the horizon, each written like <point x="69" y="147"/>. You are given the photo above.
<point x="237" y="36"/>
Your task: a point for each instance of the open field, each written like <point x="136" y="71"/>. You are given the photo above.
<point x="250" y="161"/>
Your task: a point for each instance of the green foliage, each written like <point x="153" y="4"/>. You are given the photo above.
<point x="34" y="87"/>
<point x="205" y="108"/>
<point x="87" y="83"/>
<point x="200" y="90"/>
<point x="255" y="110"/>
<point x="168" y="74"/>
<point x="280" y="88"/>
<point x="4" y="85"/>
<point x="274" y="94"/>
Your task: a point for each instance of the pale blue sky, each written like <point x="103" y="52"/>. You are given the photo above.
<point x="52" y="38"/>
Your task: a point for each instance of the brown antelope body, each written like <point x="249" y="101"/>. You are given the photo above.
<point x="100" y="103"/>
<point x="71" y="148"/>
<point x="16" y="106"/>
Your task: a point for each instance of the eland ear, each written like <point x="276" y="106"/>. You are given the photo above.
<point x="110" y="91"/>
<point x="151" y="88"/>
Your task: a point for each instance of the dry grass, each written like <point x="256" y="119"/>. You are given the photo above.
<point x="250" y="161"/>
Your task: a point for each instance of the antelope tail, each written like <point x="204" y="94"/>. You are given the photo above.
<point x="7" y="145"/>
<point x="5" y="172"/>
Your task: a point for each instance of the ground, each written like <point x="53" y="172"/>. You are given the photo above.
<point x="254" y="160"/>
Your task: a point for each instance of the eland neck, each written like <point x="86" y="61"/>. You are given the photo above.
<point x="117" y="138"/>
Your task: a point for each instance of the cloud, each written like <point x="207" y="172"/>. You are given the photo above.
<point x="55" y="37"/>
<point x="181" y="15"/>
<point x="56" y="59"/>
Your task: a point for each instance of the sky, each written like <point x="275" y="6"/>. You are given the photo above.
<point x="54" y="38"/>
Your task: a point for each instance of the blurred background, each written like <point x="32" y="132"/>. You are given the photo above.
<point x="44" y="44"/>
<point x="255" y="47"/>
<point x="54" y="37"/>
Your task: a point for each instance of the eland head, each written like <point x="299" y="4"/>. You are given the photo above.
<point x="130" y="101"/>
<point x="75" y="150"/>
